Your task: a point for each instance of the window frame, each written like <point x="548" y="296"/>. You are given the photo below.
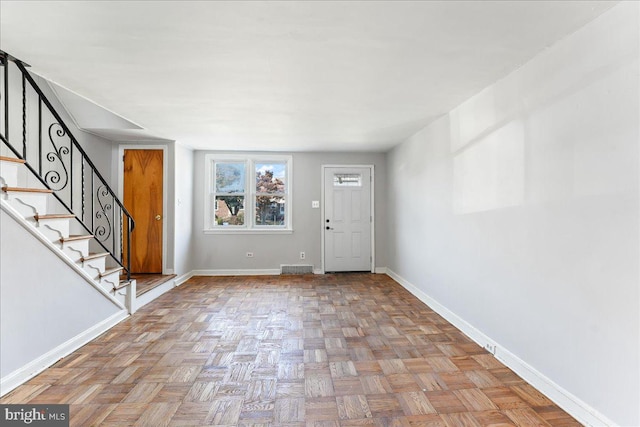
<point x="250" y="194"/>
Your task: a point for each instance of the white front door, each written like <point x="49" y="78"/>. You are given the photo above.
<point x="347" y="219"/>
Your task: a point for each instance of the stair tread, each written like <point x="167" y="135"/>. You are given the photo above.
<point x="94" y="255"/>
<point x="76" y="237"/>
<point x="53" y="216"/>
<point x="110" y="271"/>
<point x="122" y="284"/>
<point x="11" y="159"/>
<point x="26" y="190"/>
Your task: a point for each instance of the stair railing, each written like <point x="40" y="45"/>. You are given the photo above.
<point x="57" y="160"/>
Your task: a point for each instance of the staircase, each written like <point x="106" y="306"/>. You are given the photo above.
<point x="51" y="187"/>
<point x="31" y="206"/>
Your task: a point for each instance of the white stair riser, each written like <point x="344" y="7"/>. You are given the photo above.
<point x="94" y="266"/>
<point x="27" y="204"/>
<point x="76" y="249"/>
<point x="9" y="173"/>
<point x="110" y="281"/>
<point x="54" y="228"/>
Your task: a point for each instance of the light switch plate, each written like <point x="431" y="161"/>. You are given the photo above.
<point x="315" y="204"/>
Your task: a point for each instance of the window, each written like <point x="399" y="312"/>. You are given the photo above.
<point x="248" y="194"/>
<point x="347" y="180"/>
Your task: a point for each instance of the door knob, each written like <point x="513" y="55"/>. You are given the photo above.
<point x="158" y="217"/>
<point x="329" y="228"/>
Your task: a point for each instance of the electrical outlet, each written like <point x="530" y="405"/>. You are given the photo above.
<point x="491" y="348"/>
<point x="249" y="254"/>
<point x="302" y="255"/>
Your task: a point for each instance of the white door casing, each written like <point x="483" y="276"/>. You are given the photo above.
<point x="347" y="219"/>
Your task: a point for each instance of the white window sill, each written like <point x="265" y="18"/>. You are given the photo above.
<point x="248" y="231"/>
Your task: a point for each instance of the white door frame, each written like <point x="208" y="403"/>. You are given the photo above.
<point x="372" y="208"/>
<point x="165" y="188"/>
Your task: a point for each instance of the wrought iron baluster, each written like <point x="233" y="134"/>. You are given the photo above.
<point x="53" y="178"/>
<point x="6" y="97"/>
<point x="130" y="225"/>
<point x="3" y="63"/>
<point x="83" y="189"/>
<point x="71" y="175"/>
<point x="24" y="118"/>
<point x="93" y="204"/>
<point x="113" y="237"/>
<point x="104" y="214"/>
<point x="121" y="236"/>
<point x="40" y="135"/>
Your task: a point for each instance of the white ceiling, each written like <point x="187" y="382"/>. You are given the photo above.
<point x="301" y="76"/>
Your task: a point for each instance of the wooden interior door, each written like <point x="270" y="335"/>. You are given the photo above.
<point x="143" y="199"/>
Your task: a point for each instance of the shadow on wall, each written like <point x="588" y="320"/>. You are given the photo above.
<point x="516" y="149"/>
<point x="490" y="173"/>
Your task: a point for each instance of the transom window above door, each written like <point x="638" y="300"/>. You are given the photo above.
<point x="248" y="194"/>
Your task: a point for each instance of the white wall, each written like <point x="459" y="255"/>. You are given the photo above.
<point x="183" y="224"/>
<point x="40" y="311"/>
<point x="227" y="252"/>
<point x="523" y="217"/>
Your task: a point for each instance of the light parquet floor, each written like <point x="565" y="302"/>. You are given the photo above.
<point x="318" y="351"/>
